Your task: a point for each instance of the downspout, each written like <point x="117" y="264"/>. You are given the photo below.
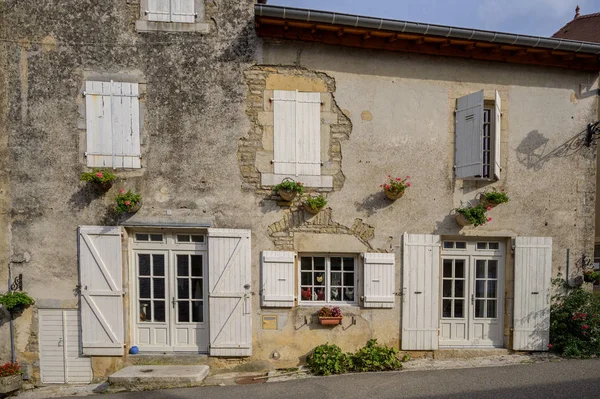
<point x="12" y="326"/>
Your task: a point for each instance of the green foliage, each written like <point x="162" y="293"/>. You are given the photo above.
<point x="330" y="312"/>
<point x="12" y="299"/>
<point x="289" y="185"/>
<point x="574" y="321"/>
<point x="98" y="176"/>
<point x="475" y="214"/>
<point x="316" y="203"/>
<point x="396" y="184"/>
<point x="495" y="196"/>
<point x="591" y="276"/>
<point x="328" y="359"/>
<point x="126" y="201"/>
<point x="373" y="357"/>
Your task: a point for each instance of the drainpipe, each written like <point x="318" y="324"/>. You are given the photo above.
<point x="568" y="263"/>
<point x="12" y="327"/>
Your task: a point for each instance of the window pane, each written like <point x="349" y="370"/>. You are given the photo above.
<point x="156" y="237"/>
<point x="159" y="311"/>
<point x="493" y="269"/>
<point x="459" y="266"/>
<point x="145" y="311"/>
<point x="349" y="293"/>
<point x="448" y="244"/>
<point x="491" y="289"/>
<point x="196" y="288"/>
<point x="182" y="265"/>
<point x="306" y="293"/>
<point x="461" y="245"/>
<point x="183" y="312"/>
<point x="458" y="307"/>
<point x="479" y="309"/>
<point x="494" y="245"/>
<point x="336" y="263"/>
<point x="320" y="294"/>
<point x="336" y="278"/>
<point x="349" y="279"/>
<point x="306" y="263"/>
<point x="145" y="288"/>
<point x="183" y="288"/>
<point x="141" y="237"/>
<point x="197" y="238"/>
<point x="306" y="278"/>
<point x="319" y="263"/>
<point x="197" y="265"/>
<point x="197" y="312"/>
<point x="447" y="268"/>
<point x="144" y="264"/>
<point x="447" y="288"/>
<point x="336" y="294"/>
<point x="491" y="309"/>
<point x="459" y="288"/>
<point x="480" y="268"/>
<point x="447" y="308"/>
<point x="480" y="289"/>
<point x="348" y="264"/>
<point x="481" y="245"/>
<point x="158" y="265"/>
<point x="159" y="288"/>
<point x="319" y="279"/>
<point x="183" y="238"/>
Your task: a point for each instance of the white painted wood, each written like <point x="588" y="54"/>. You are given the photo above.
<point x="100" y="269"/>
<point x="420" y="291"/>
<point x="497" y="130"/>
<point x="533" y="272"/>
<point x="308" y="134"/>
<point x="230" y="301"/>
<point x="379" y="280"/>
<point x="277" y="280"/>
<point x="183" y="11"/>
<point x="469" y="136"/>
<point x="284" y="140"/>
<point x="60" y="348"/>
<point x="159" y="10"/>
<point x="112" y="124"/>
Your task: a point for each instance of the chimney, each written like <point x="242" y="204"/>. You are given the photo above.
<point x="577" y="12"/>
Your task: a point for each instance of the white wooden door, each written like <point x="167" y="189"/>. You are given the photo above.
<point x="60" y="348"/>
<point x="230" y="302"/>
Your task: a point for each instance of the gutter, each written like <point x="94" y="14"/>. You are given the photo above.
<point x="449" y="32"/>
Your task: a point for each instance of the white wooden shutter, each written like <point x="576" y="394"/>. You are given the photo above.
<point x="159" y="10"/>
<point x="278" y="279"/>
<point x="183" y="11"/>
<point x="229" y="296"/>
<point x="297" y="133"/>
<point x="101" y="280"/>
<point x="497" y="119"/>
<point x="420" y="291"/>
<point x="112" y="124"/>
<point x="379" y="280"/>
<point x="469" y="136"/>
<point x="533" y="272"/>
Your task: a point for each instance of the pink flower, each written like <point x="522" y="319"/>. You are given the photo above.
<point x="549" y="346"/>
<point x="408" y="177"/>
<point x="122" y="191"/>
<point x="128" y="203"/>
<point x="489" y="219"/>
<point x="585" y="327"/>
<point x="387" y="186"/>
<point x="381" y="185"/>
<point x="398" y="179"/>
<point x="99" y="175"/>
<point x="407" y="184"/>
<point x="489" y="208"/>
<point x="389" y="176"/>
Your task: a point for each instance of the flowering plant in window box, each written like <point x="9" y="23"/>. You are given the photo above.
<point x="590" y="276"/>
<point x="10" y="377"/>
<point x="128" y="201"/>
<point x="15" y="301"/>
<point x="102" y="178"/>
<point x="472" y="215"/>
<point x="493" y="198"/>
<point x="395" y="186"/>
<point x="288" y="189"/>
<point x="315" y="204"/>
<point x="330" y="316"/>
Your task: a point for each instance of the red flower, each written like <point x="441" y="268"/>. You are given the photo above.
<point x="128" y="203"/>
<point x="387" y="186"/>
<point x="381" y="185"/>
<point x="122" y="191"/>
<point x="585" y="327"/>
<point x="489" y="219"/>
<point x="489" y="208"/>
<point x="407" y="184"/>
<point x="549" y="346"/>
<point x="408" y="177"/>
<point x="398" y="179"/>
<point x="99" y="175"/>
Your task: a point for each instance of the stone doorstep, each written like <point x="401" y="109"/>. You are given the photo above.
<point x="469" y="353"/>
<point x="150" y="376"/>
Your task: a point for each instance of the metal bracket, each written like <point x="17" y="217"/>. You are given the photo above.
<point x="17" y="283"/>
<point x="592" y="133"/>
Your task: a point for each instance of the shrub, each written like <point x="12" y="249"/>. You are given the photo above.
<point x="316" y="203"/>
<point x="475" y="214"/>
<point x="396" y="184"/>
<point x="10" y="369"/>
<point x="574" y="322"/>
<point x="495" y="196"/>
<point x="126" y="201"/>
<point x="327" y="359"/>
<point x="373" y="357"/>
<point x="11" y="299"/>
<point x="98" y="176"/>
<point x="289" y="185"/>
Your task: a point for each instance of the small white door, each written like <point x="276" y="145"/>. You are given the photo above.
<point x="61" y="359"/>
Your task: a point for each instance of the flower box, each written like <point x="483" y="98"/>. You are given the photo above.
<point x="462" y="220"/>
<point x="392" y="195"/>
<point x="10" y="383"/>
<point x="287" y="195"/>
<point x="330" y="321"/>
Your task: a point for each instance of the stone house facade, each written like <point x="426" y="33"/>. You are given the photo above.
<point x="203" y="106"/>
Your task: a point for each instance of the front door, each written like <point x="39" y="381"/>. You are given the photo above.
<point x="472" y="294"/>
<point x="169" y="285"/>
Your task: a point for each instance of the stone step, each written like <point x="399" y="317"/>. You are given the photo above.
<point x="442" y="354"/>
<point x="153" y="377"/>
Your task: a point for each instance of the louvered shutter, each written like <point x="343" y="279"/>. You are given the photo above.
<point x="379" y="280"/>
<point x="230" y="301"/>
<point x="420" y="291"/>
<point x="277" y="279"/>
<point x="159" y="10"/>
<point x="101" y="279"/>
<point x="297" y="133"/>
<point x="533" y="272"/>
<point x="497" y="119"/>
<point x="183" y="11"/>
<point x="112" y="124"/>
<point x="469" y="136"/>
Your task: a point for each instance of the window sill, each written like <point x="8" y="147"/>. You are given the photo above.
<point x="270" y="179"/>
<point x="153" y="26"/>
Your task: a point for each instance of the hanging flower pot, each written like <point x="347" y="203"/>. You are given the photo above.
<point x="493" y="198"/>
<point x="103" y="179"/>
<point x="590" y="276"/>
<point x="127" y="202"/>
<point x="462" y="220"/>
<point x="472" y="215"/>
<point x="288" y="189"/>
<point x="314" y="205"/>
<point x="395" y="187"/>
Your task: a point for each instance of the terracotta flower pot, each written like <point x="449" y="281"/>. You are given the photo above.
<point x="287" y="195"/>
<point x="330" y="321"/>
<point x="392" y="195"/>
<point x="311" y="210"/>
<point x="10" y="383"/>
<point x="462" y="220"/>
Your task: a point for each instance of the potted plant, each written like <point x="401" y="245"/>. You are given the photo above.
<point x="590" y="276"/>
<point x="15" y="301"/>
<point x="128" y="201"/>
<point x="472" y="215"/>
<point x="330" y="316"/>
<point x="315" y="204"/>
<point x="395" y="186"/>
<point x="10" y="377"/>
<point x="288" y="189"/>
<point x="101" y="178"/>
<point x="493" y="198"/>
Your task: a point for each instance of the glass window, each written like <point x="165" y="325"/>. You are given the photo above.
<point x="151" y="287"/>
<point x="328" y="279"/>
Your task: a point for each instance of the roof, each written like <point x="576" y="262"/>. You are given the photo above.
<point x="582" y="27"/>
<point x="397" y="35"/>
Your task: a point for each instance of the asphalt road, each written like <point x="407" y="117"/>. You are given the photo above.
<point x="562" y="379"/>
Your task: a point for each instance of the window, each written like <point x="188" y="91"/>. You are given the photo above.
<point x="146" y="237"/>
<point x="151" y="287"/>
<point x="488" y="245"/>
<point x="112" y="124"/>
<point x="187" y="238"/>
<point x="455" y="245"/>
<point x="328" y="279"/>
<point x="171" y="15"/>
<point x="477" y="141"/>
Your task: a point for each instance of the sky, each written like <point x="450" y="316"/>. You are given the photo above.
<point x="532" y="17"/>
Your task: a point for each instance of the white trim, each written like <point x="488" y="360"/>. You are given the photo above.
<point x="327" y="286"/>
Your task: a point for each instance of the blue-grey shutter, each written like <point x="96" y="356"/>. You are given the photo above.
<point x="497" y="118"/>
<point x="469" y="136"/>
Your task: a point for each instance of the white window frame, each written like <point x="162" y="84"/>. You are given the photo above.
<point x="145" y="25"/>
<point x="328" y="301"/>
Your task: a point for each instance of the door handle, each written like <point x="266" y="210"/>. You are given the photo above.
<point x="173" y="302"/>
<point x="60" y="342"/>
<point x="472" y="299"/>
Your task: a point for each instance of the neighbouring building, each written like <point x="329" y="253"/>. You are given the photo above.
<point x="203" y="106"/>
